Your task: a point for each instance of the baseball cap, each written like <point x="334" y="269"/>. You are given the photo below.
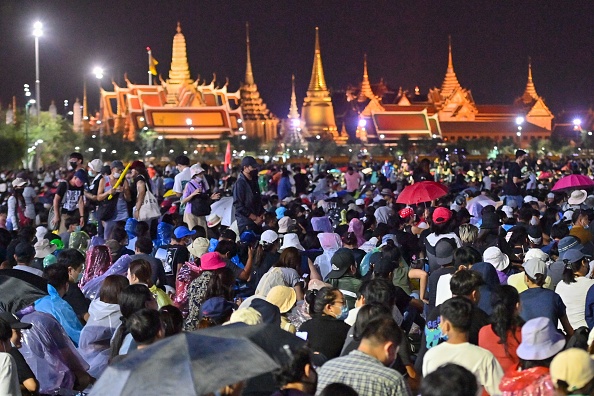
<point x="444" y="251"/>
<point x="530" y="198"/>
<point x="568" y="243"/>
<point x="535" y="266"/>
<point x="406" y="212"/>
<point x="280" y="212"/>
<point x="509" y="212"/>
<point x="117" y="164"/>
<point x="14" y="322"/>
<point x="18" y="182"/>
<point x="573" y="366"/>
<point x="182" y="232"/>
<point x="24" y="249"/>
<point x="441" y="215"/>
<point x="95" y="165"/>
<point x="248" y="237"/>
<point x="229" y="234"/>
<point x="249" y="161"/>
<point x="551" y="195"/>
<point x="360" y="201"/>
<point x="573" y="255"/>
<point x="82" y="175"/>
<point x="341" y="261"/>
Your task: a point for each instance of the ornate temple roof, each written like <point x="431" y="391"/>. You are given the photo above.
<point x="450" y="81"/>
<point x="318" y="81"/>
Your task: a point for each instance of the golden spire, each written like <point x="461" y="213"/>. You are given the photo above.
<point x="180" y="71"/>
<point x="249" y="76"/>
<point x="317" y="82"/>
<point x="450" y="81"/>
<point x="366" y="91"/>
<point x="530" y="91"/>
<point x="293" y="110"/>
<point x="85" y="105"/>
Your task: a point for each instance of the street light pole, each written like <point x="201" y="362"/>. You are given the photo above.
<point x="519" y="122"/>
<point x="29" y="103"/>
<point x="98" y="71"/>
<point x="37" y="32"/>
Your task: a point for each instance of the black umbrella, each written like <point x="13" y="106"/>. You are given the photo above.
<point x="19" y="289"/>
<point x="272" y="339"/>
<point x="185" y="364"/>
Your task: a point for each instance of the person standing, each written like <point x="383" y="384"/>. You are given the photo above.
<point x="69" y="198"/>
<point x="9" y="380"/>
<point x="197" y="199"/>
<point x="352" y="179"/>
<point x="513" y="187"/>
<point x="247" y="199"/>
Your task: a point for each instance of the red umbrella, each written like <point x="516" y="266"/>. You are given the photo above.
<point x="424" y="191"/>
<point x="573" y="181"/>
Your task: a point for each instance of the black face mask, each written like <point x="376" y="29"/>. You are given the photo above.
<point x="254" y="174"/>
<point x="73" y="165"/>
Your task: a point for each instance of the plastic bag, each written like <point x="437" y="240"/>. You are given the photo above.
<point x="164" y="232"/>
<point x="187" y="273"/>
<point x="98" y="261"/>
<point x="120" y="267"/>
<point x="50" y="353"/>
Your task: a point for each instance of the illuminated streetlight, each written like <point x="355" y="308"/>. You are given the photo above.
<point x="160" y="137"/>
<point x="295" y="122"/>
<point x="577" y="122"/>
<point x="98" y="72"/>
<point x="188" y="121"/>
<point x="243" y="137"/>
<point x="362" y="123"/>
<point x="37" y="32"/>
<point x="519" y="120"/>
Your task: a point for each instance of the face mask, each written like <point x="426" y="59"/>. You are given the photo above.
<point x="79" y="277"/>
<point x="73" y="165"/>
<point x="344" y="312"/>
<point x="254" y="173"/>
<point x="117" y="175"/>
<point x="91" y="173"/>
<point x="77" y="228"/>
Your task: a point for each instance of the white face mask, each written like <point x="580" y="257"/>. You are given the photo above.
<point x="117" y="175"/>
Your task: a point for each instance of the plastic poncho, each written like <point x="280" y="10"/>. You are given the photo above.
<point x="131" y="227"/>
<point x="321" y="224"/>
<point x="79" y="240"/>
<point x="330" y="243"/>
<point x="164" y="232"/>
<point x="357" y="227"/>
<point x="532" y="382"/>
<point x="95" y="337"/>
<point x="50" y="353"/>
<point x="186" y="274"/>
<point x="98" y="260"/>
<point x="120" y="267"/>
<point x="161" y="297"/>
<point x="56" y="306"/>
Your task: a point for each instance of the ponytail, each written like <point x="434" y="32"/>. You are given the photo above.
<point x="504" y="319"/>
<point x="570" y="269"/>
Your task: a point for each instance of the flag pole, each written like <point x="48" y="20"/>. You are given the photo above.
<point x="150" y="77"/>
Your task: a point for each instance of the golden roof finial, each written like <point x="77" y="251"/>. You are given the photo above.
<point x="529" y="68"/>
<point x="450" y="60"/>
<point x="85" y="106"/>
<point x="317" y="82"/>
<point x="178" y="29"/>
<point x="249" y="75"/>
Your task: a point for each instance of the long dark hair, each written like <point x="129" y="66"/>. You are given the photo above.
<point x="570" y="270"/>
<point x="289" y="258"/>
<point x="504" y="318"/>
<point x="318" y="299"/>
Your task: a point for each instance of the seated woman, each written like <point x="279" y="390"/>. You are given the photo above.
<point x="140" y="272"/>
<point x="104" y="319"/>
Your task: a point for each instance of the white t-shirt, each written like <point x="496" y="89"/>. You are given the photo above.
<point x="181" y="177"/>
<point x="573" y="296"/>
<point x="479" y="361"/>
<point x="443" y="291"/>
<point x="9" y="381"/>
<point x="432" y="238"/>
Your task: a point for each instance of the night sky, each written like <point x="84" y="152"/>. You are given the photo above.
<point x="406" y="44"/>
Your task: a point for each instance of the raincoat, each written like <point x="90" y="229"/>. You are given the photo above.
<point x="532" y="382"/>
<point x="330" y="243"/>
<point x="62" y="311"/>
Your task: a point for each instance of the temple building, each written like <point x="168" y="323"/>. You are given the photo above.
<point x="258" y="121"/>
<point x="178" y="107"/>
<point x="317" y="112"/>
<point x="448" y="113"/>
<point x="292" y="126"/>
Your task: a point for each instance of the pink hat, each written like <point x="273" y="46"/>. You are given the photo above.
<point x="406" y="212"/>
<point x="211" y="261"/>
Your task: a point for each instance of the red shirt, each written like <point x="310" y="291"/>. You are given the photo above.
<point x="490" y="341"/>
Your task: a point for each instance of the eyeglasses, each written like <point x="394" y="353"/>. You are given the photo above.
<point x="341" y="302"/>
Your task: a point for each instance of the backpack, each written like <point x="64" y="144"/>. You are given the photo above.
<point x="200" y="203"/>
<point x="23" y="220"/>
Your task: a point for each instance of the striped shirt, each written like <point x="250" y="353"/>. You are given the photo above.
<point x="364" y="373"/>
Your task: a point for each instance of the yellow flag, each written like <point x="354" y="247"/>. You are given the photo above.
<point x="152" y="64"/>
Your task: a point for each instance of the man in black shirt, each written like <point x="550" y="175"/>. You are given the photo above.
<point x="247" y="199"/>
<point x="513" y="186"/>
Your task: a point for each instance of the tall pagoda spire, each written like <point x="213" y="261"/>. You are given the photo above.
<point x="180" y="71"/>
<point x="450" y="81"/>
<point x="317" y="82"/>
<point x="530" y="92"/>
<point x="293" y="110"/>
<point x="317" y="111"/>
<point x="366" y="91"/>
<point x="249" y="76"/>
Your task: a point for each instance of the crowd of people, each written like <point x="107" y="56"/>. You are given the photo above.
<point x="484" y="288"/>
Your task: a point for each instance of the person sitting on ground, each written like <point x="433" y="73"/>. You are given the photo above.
<point x="343" y="275"/>
<point x="456" y="317"/>
<point x="298" y="377"/>
<point x="449" y="380"/>
<point x="143" y="249"/>
<point x="365" y="369"/>
<point x="139" y="271"/>
<point x="73" y="260"/>
<point x="572" y="372"/>
<point x="9" y="380"/>
<point x="26" y="377"/>
<point x="54" y="304"/>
